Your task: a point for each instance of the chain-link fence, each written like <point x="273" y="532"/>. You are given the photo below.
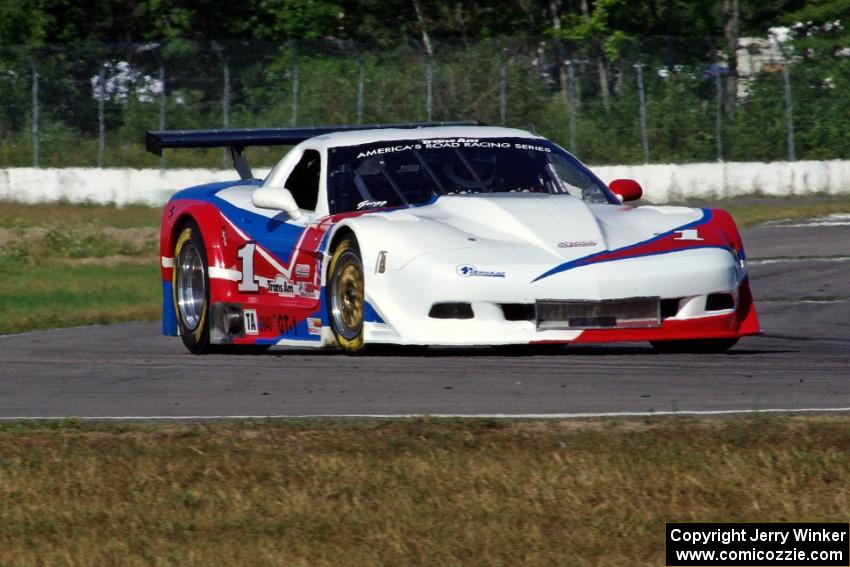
<point x="651" y="100"/>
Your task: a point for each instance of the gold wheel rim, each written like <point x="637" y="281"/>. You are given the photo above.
<point x="348" y="297"/>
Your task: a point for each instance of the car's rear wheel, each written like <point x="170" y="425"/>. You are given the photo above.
<point x="191" y="289"/>
<point x="698" y="346"/>
<point x="347" y="295"/>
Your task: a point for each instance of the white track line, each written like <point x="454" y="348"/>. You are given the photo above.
<point x="431" y="415"/>
<point x="835" y="219"/>
<point x="60" y="329"/>
<point x="767" y="261"/>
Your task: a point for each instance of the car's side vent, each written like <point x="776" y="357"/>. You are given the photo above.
<point x="518" y="311"/>
<point x="669" y="307"/>
<point x="451" y="311"/>
<point x="719" y="302"/>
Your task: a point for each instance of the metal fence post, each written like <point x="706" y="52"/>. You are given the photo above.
<point x="571" y="102"/>
<point x="225" y="104"/>
<point x="718" y="128"/>
<point x="225" y="94"/>
<point x="295" y="78"/>
<point x="162" y="97"/>
<point x="101" y="116"/>
<point x="789" y="106"/>
<point x="429" y="86"/>
<point x="361" y="91"/>
<point x="36" y="118"/>
<point x="162" y="106"/>
<point x="503" y="94"/>
<point x="644" y="138"/>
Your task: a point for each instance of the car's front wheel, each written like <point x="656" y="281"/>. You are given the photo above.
<point x="698" y="346"/>
<point x="347" y="295"/>
<point x="191" y="289"/>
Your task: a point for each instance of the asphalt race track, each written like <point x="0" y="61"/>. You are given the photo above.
<point x="800" y="274"/>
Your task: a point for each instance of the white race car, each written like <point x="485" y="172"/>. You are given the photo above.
<point x="439" y="235"/>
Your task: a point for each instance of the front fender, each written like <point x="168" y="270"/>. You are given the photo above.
<point x="403" y="237"/>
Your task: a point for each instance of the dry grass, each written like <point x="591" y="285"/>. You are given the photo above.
<point x="405" y="493"/>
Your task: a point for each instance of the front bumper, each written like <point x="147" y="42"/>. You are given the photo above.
<point x="404" y="298"/>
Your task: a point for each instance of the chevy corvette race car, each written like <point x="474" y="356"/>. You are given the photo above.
<point x="447" y="234"/>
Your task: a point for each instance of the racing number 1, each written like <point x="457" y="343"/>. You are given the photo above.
<point x="247" y="283"/>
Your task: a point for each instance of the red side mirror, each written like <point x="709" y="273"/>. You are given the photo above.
<point x="628" y="189"/>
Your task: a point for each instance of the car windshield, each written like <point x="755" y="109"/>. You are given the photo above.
<point x="409" y="172"/>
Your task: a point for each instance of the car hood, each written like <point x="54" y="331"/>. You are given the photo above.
<point x="522" y="228"/>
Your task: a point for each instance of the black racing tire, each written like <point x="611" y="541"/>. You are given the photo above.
<point x="346" y="295"/>
<point x="696" y="346"/>
<point x="191" y="289"/>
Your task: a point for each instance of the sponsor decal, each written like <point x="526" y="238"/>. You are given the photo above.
<point x="532" y="147"/>
<point x="281" y="286"/>
<point x="302" y="270"/>
<point x="314" y="326"/>
<point x="278" y="323"/>
<point x="388" y="150"/>
<point x="437" y="143"/>
<point x="306" y="289"/>
<point x="371" y="205"/>
<point x="250" y="316"/>
<point x="689" y="234"/>
<point x="576" y="243"/>
<point x="467" y="271"/>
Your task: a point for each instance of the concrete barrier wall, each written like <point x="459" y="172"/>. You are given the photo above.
<point x="119" y="186"/>
<point x="672" y="182"/>
<point x="661" y="182"/>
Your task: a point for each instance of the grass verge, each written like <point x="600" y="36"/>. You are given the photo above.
<point x="63" y="265"/>
<point x="404" y="492"/>
<point x="53" y="295"/>
<point x="752" y="210"/>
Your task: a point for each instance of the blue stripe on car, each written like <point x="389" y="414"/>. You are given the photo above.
<point x="591" y="259"/>
<point x="169" y="317"/>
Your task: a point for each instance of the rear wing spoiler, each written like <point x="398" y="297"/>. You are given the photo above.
<point x="237" y="139"/>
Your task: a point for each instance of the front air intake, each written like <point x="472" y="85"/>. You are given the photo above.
<point x="451" y="311"/>
<point x="669" y="307"/>
<point x="719" y="302"/>
<point x="518" y="311"/>
<point x="626" y="313"/>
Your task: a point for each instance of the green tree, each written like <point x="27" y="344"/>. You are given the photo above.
<point x="23" y="22"/>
